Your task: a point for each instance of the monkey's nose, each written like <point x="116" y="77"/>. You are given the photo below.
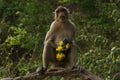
<point x="63" y="16"/>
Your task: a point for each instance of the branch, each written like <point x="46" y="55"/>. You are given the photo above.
<point x="116" y="76"/>
<point x="75" y="73"/>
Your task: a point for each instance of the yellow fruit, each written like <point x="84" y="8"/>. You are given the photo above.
<point x="59" y="48"/>
<point x="61" y="43"/>
<point x="67" y="45"/>
<point x="60" y="56"/>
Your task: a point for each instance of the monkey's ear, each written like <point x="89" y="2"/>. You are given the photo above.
<point x="67" y="10"/>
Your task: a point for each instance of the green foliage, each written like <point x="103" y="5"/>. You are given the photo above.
<point x="24" y="23"/>
<point x="18" y="35"/>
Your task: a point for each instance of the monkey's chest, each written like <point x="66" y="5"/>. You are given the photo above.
<point x="63" y="34"/>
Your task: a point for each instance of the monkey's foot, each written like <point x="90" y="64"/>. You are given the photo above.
<point x="41" y="70"/>
<point x="80" y="68"/>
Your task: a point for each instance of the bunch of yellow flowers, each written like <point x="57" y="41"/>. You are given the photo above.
<point x="60" y="50"/>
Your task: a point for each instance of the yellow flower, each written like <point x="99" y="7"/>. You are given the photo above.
<point x="60" y="56"/>
<point x="67" y="45"/>
<point x="61" y="43"/>
<point x="59" y="48"/>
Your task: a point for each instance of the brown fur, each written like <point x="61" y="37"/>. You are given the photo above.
<point x="60" y="28"/>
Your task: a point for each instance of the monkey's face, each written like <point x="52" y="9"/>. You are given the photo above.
<point x="61" y="13"/>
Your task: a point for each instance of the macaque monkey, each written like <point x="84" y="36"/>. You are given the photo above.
<point x="61" y="29"/>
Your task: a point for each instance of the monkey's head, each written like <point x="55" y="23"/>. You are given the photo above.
<point x="61" y="13"/>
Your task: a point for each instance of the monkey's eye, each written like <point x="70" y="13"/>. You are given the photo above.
<point x="62" y="10"/>
<point x="58" y="11"/>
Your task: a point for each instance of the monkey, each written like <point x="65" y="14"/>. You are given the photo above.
<point x="62" y="28"/>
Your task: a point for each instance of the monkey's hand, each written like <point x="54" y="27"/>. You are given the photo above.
<point x="41" y="70"/>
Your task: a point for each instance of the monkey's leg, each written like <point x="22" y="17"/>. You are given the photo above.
<point x="73" y="56"/>
<point x="45" y="58"/>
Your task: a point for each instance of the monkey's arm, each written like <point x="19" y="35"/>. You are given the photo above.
<point x="50" y="36"/>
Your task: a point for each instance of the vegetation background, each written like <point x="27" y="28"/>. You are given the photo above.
<point x="24" y="23"/>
